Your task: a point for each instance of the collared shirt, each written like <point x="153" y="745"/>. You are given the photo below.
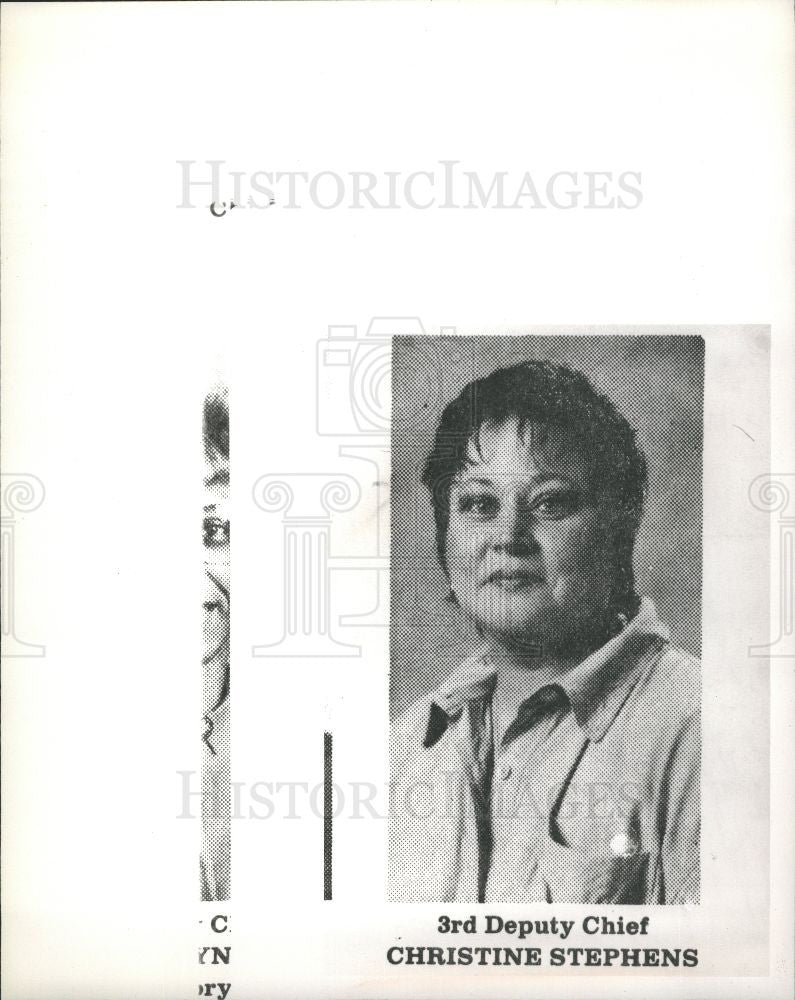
<point x="593" y="798"/>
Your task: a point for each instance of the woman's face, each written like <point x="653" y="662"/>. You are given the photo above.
<point x="215" y="532"/>
<point x="530" y="549"/>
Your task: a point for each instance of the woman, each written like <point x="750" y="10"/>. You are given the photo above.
<point x="561" y="762"/>
<point x="215" y="773"/>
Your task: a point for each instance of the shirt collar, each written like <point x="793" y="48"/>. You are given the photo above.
<point x="599" y="686"/>
<point x="474" y="679"/>
<point x="596" y="688"/>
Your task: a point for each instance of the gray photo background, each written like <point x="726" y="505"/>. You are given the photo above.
<point x="658" y="384"/>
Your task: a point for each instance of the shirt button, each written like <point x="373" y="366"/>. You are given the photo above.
<point x="623" y="845"/>
<point x="506" y="771"/>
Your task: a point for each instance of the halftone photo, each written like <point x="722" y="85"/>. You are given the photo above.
<point x="216" y="789"/>
<point x="546" y="569"/>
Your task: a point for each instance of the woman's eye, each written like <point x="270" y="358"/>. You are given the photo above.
<point x="215" y="532"/>
<point x="478" y="505"/>
<point x="555" y="506"/>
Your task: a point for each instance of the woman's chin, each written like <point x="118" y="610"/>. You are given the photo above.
<point x="535" y="634"/>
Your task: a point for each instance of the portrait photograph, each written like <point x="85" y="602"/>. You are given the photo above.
<point x="545" y="631"/>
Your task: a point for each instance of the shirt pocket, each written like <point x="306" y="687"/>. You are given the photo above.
<point x="571" y="875"/>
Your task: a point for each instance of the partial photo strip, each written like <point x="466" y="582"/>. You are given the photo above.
<point x="215" y="859"/>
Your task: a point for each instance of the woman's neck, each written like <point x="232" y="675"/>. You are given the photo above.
<point x="512" y="662"/>
<point x="538" y="656"/>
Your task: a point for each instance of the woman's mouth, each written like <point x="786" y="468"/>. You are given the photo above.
<point x="513" y="579"/>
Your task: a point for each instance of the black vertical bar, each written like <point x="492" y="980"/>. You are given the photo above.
<point x="327" y="815"/>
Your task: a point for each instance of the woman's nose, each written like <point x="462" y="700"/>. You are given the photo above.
<point x="515" y="530"/>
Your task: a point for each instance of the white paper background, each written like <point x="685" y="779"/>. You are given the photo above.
<point x="116" y="306"/>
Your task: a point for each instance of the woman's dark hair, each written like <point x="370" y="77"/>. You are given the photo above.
<point x="216" y="423"/>
<point x="546" y="396"/>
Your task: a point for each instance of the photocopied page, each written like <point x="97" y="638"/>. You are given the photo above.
<point x="476" y="320"/>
